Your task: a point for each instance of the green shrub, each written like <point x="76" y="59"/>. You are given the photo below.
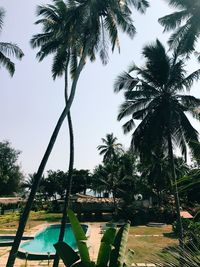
<point x="112" y="251"/>
<point x="191" y="231"/>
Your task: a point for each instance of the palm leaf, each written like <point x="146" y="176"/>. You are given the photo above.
<point x="172" y="21"/>
<point x="9" y="49"/>
<point x="2" y="14"/>
<point x="7" y="63"/>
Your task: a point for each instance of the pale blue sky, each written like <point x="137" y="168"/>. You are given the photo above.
<point x="31" y="101"/>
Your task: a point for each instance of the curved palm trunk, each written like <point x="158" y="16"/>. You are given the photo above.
<point x="68" y="188"/>
<point x="70" y="171"/>
<point x="175" y="191"/>
<point x="114" y="201"/>
<point x="25" y="214"/>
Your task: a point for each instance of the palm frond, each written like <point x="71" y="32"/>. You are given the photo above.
<point x="124" y="81"/>
<point x="172" y="21"/>
<point x="2" y="14"/>
<point x="128" y="126"/>
<point x="140" y="5"/>
<point x="59" y="63"/>
<point x="7" y="63"/>
<point x="181" y="3"/>
<point x="190" y="79"/>
<point x="10" y="49"/>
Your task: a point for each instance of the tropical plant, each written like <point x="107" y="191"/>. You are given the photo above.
<point x="154" y="95"/>
<point x="189" y="184"/>
<point x="111" y="149"/>
<point x="112" y="251"/>
<point x="84" y="25"/>
<point x="11" y="175"/>
<point x="54" y="184"/>
<point x="81" y="181"/>
<point x="8" y="49"/>
<point x="185" y="23"/>
<point x="157" y="171"/>
<point x="186" y="256"/>
<point x="56" y="40"/>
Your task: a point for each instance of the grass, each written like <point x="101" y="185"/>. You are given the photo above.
<point x="9" y="222"/>
<point x="146" y="247"/>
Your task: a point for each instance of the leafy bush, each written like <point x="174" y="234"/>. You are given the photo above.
<point x="191" y="231"/>
<point x="112" y="251"/>
<point x="179" y="257"/>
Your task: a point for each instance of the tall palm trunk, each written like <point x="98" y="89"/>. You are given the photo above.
<point x="25" y="214"/>
<point x="68" y="184"/>
<point x="68" y="188"/>
<point x="175" y="191"/>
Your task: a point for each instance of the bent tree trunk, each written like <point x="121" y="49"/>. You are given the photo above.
<point x="68" y="183"/>
<point x="27" y="208"/>
<point x="68" y="188"/>
<point x="175" y="192"/>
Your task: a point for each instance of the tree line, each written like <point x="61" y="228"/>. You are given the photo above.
<point x="74" y="31"/>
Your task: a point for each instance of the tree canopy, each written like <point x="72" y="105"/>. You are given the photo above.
<point x="8" y="49"/>
<point x="10" y="171"/>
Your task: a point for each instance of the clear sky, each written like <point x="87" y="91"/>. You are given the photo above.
<point x="31" y="101"/>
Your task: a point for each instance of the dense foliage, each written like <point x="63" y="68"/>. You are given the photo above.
<point x="10" y="171"/>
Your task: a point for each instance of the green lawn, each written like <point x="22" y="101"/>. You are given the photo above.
<point x="9" y="222"/>
<point x="146" y="247"/>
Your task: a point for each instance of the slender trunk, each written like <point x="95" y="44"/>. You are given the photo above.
<point x="114" y="201"/>
<point x="175" y="191"/>
<point x="68" y="189"/>
<point x="68" y="184"/>
<point x="25" y="214"/>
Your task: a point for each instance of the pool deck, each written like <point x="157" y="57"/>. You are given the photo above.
<point x="93" y="243"/>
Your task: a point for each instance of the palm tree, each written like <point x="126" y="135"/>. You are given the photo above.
<point x="8" y="49"/>
<point x="154" y="95"/>
<point x="86" y="25"/>
<point x="185" y="23"/>
<point x="111" y="149"/>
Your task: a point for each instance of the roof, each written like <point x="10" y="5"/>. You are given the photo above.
<point x="10" y="200"/>
<point x="186" y="215"/>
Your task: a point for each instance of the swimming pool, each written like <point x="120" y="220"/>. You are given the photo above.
<point x="41" y="247"/>
<point x="7" y="240"/>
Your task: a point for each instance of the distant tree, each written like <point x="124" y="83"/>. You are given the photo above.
<point x="54" y="184"/>
<point x="154" y="95"/>
<point x="157" y="172"/>
<point x="8" y="49"/>
<point x="117" y="177"/>
<point x="10" y="172"/>
<point x="110" y="148"/>
<point x="189" y="185"/>
<point x="81" y="181"/>
<point x="28" y="182"/>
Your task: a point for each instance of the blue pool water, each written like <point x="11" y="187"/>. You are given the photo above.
<point x="44" y="240"/>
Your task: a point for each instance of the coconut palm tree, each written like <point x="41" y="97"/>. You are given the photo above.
<point x="86" y="25"/>
<point x="154" y="95"/>
<point x="8" y="49"/>
<point x="185" y="23"/>
<point x="111" y="149"/>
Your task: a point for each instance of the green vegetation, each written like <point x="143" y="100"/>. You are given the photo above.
<point x="10" y="172"/>
<point x="8" y="49"/>
<point x="154" y="95"/>
<point x="9" y="222"/>
<point x="146" y="247"/>
<point x="112" y="251"/>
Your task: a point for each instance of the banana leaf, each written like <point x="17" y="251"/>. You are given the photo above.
<point x="80" y="238"/>
<point x="117" y="256"/>
<point x="105" y="247"/>
<point x="66" y="253"/>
